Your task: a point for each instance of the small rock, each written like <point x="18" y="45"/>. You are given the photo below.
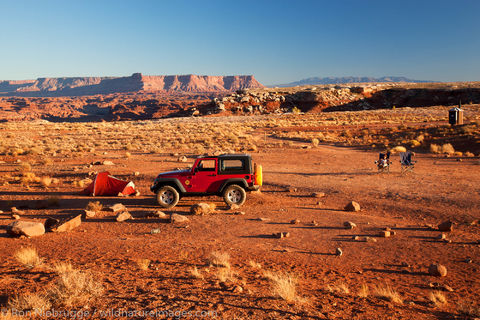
<point x="16" y="211"/>
<point x="292" y="189"/>
<point x="67" y="224"/>
<point x="26" y="228"/>
<point x="157" y="214"/>
<point x="468" y="260"/>
<point x="237" y="289"/>
<point x="240" y="213"/>
<point x="285" y="234"/>
<point x="318" y="194"/>
<point x="314" y="223"/>
<point x="123" y="216"/>
<point x="15" y="216"/>
<point x="384" y="234"/>
<point x="370" y="239"/>
<point x="182" y="159"/>
<point x="263" y="219"/>
<point x="117" y="207"/>
<point x="178" y="218"/>
<point x="352" y="206"/>
<point x="136" y="173"/>
<point x="90" y="214"/>
<point x="108" y="163"/>
<point x="338" y="252"/>
<point x="446" y="226"/>
<point x="437" y="270"/>
<point x="349" y="225"/>
<point x="234" y="206"/>
<point x="200" y="209"/>
<point x="405" y="265"/>
<point x="278" y="235"/>
<point x="295" y="221"/>
<point x="447" y="240"/>
<point x="442" y="236"/>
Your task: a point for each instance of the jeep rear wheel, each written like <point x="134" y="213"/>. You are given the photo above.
<point x="167" y="197"/>
<point x="234" y="194"/>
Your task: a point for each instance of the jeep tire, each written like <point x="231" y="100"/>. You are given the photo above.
<point x="234" y="194"/>
<point x="167" y="197"/>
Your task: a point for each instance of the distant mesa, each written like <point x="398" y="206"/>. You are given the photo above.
<point x="80" y="86"/>
<point x="340" y="80"/>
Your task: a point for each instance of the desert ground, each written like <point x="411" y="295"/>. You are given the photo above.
<point x="227" y="265"/>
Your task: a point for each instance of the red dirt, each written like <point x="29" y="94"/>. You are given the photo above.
<point x="439" y="189"/>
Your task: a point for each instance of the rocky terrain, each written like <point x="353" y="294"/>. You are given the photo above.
<point x="337" y="80"/>
<point x="80" y="86"/>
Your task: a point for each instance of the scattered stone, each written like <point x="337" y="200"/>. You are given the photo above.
<point x="295" y="221"/>
<point x="349" y="225"/>
<point x="286" y="234"/>
<point x="155" y="231"/>
<point x="263" y="219"/>
<point x="405" y="265"/>
<point x="384" y="234"/>
<point x="157" y="214"/>
<point x="90" y="214"/>
<point x="182" y="159"/>
<point x="26" y="228"/>
<point x="280" y="235"/>
<point x="239" y="213"/>
<point x="392" y="233"/>
<point x="15" y="210"/>
<point x="108" y="163"/>
<point x="338" y="252"/>
<point x="447" y="240"/>
<point x="370" y="239"/>
<point x="123" y="216"/>
<point x="440" y="286"/>
<point x="234" y="206"/>
<point x="67" y="224"/>
<point x="446" y="226"/>
<point x="200" y="209"/>
<point x="442" y="236"/>
<point x="292" y="189"/>
<point x="237" y="289"/>
<point x="137" y="193"/>
<point x="352" y="206"/>
<point x="318" y="194"/>
<point x="178" y="218"/>
<point x="314" y="223"/>
<point x="468" y="260"/>
<point x="117" y="207"/>
<point x="15" y="216"/>
<point x="437" y="270"/>
<point x="136" y="173"/>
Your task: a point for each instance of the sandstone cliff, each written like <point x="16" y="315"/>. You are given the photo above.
<point x="79" y="86"/>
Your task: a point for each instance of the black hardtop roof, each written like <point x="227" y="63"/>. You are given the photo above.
<point x="227" y="155"/>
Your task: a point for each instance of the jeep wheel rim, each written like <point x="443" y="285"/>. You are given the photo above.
<point x="167" y="197"/>
<point x="234" y="196"/>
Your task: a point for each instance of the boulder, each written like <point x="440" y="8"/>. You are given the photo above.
<point x="200" y="209"/>
<point x="446" y="226"/>
<point x="67" y="224"/>
<point x="123" y="216"/>
<point x="26" y="228"/>
<point x="352" y="206"/>
<point x="117" y="207"/>
<point x="384" y="234"/>
<point x="349" y="225"/>
<point x="437" y="270"/>
<point x="178" y="218"/>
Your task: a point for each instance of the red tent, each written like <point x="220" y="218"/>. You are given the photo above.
<point x="106" y="185"/>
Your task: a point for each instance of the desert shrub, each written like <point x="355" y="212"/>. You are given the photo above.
<point x="363" y="291"/>
<point x="338" y="288"/>
<point x="28" y="257"/>
<point x="220" y="259"/>
<point x="143" y="264"/>
<point x="225" y="274"/>
<point x="437" y="298"/>
<point x="94" y="206"/>
<point x="195" y="273"/>
<point x="283" y="285"/>
<point x="386" y="292"/>
<point x="35" y="302"/>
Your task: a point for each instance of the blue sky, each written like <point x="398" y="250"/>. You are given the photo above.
<point x="277" y="41"/>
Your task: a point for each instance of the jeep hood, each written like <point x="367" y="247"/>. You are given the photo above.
<point x="173" y="173"/>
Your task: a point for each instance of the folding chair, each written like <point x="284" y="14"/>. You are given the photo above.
<point x="383" y="162"/>
<point x="406" y="162"/>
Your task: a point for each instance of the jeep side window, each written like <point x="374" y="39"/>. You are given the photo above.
<point x="206" y="165"/>
<point x="232" y="165"/>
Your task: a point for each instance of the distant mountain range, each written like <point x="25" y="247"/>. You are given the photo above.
<point x="336" y="80"/>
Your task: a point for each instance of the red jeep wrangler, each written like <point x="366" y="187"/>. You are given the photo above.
<point x="228" y="175"/>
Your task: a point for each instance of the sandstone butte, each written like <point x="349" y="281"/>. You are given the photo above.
<point x="134" y="83"/>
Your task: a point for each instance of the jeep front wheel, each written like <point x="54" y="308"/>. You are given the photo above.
<point x="167" y="197"/>
<point x="234" y="194"/>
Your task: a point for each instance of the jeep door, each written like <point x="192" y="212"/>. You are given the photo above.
<point x="205" y="176"/>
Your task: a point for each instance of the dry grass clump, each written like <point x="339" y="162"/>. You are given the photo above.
<point x="254" y="264"/>
<point x="195" y="273"/>
<point x="386" y="292"/>
<point x="35" y="302"/>
<point x="94" y="206"/>
<point x="62" y="267"/>
<point x="226" y="274"/>
<point x="284" y="286"/>
<point x="75" y="288"/>
<point x="143" y="264"/>
<point x="28" y="257"/>
<point x="220" y="259"/>
<point x="364" y="291"/>
<point x="25" y="167"/>
<point x="339" y="288"/>
<point x="437" y="298"/>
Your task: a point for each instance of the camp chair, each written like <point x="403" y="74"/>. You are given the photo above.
<point x="406" y="161"/>
<point x="383" y="162"/>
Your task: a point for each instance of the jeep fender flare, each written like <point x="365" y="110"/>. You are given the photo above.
<point x="174" y="182"/>
<point x="241" y="182"/>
